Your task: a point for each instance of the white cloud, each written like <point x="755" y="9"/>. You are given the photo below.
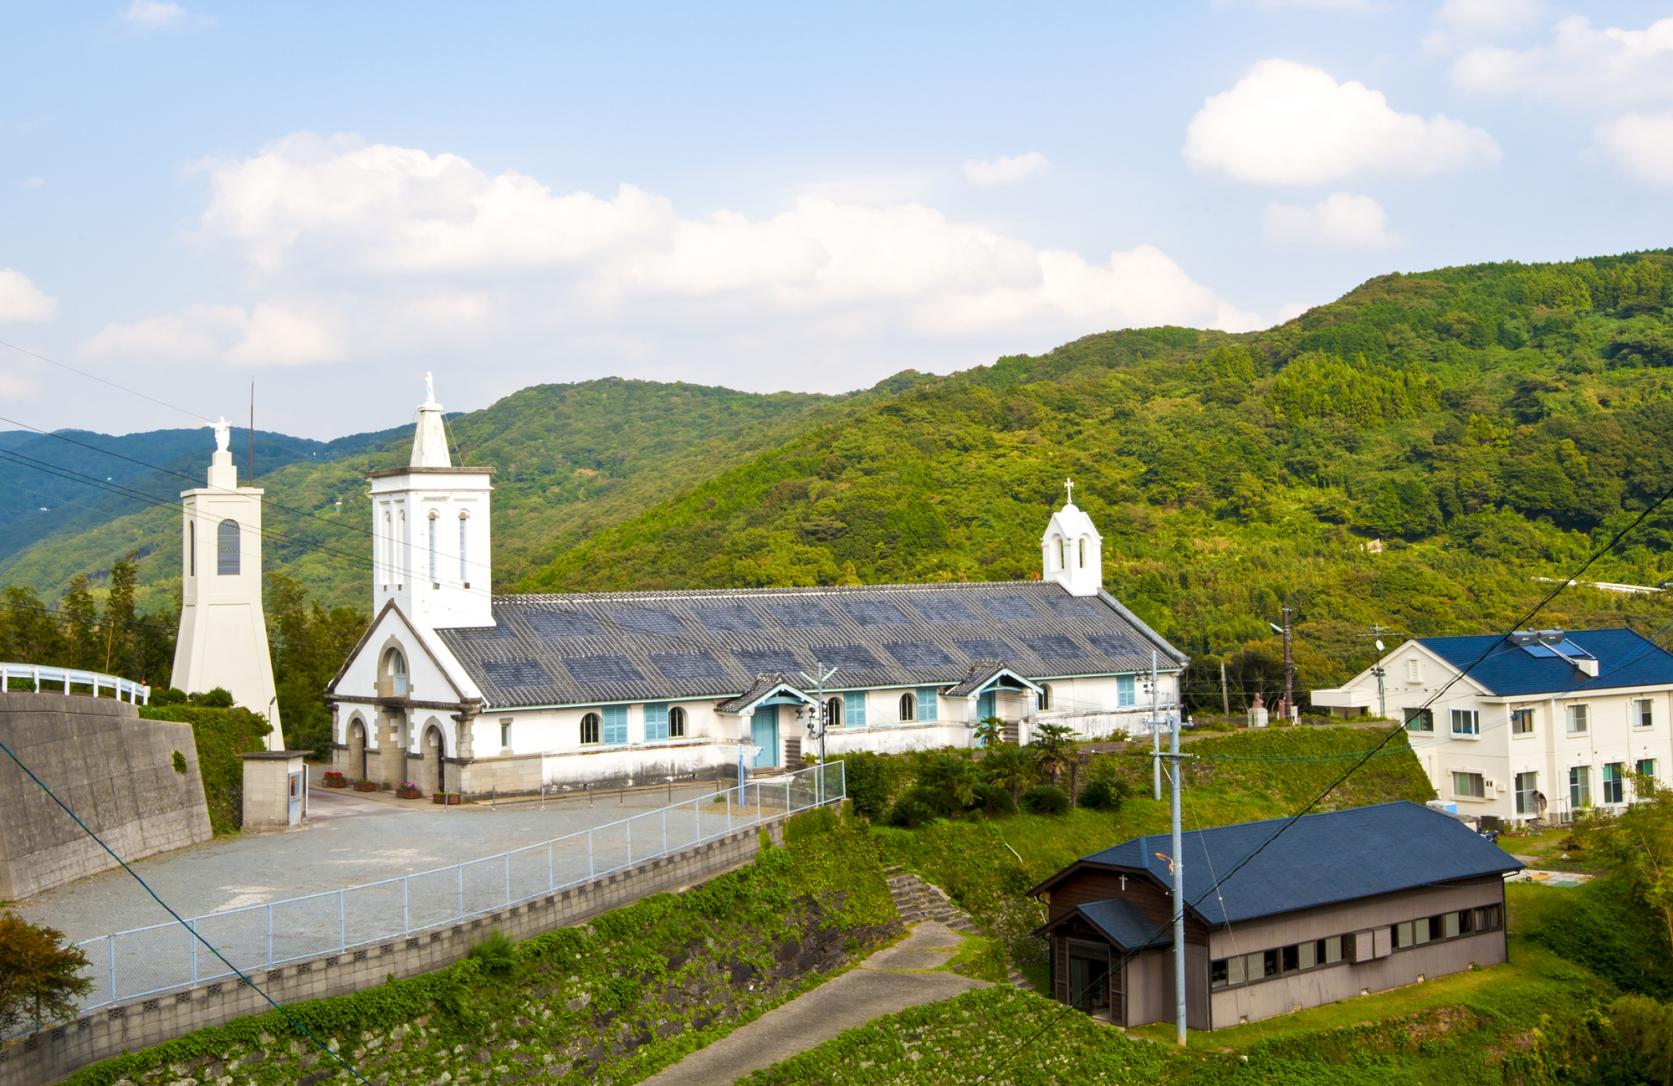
<point x="1340" y="220"/>
<point x="152" y="14"/>
<point x="18" y="386"/>
<point x="987" y="172"/>
<point x="21" y="300"/>
<point x="1642" y="143"/>
<point x="1580" y="67"/>
<point x="263" y="335"/>
<point x="368" y="250"/>
<point x="1286" y="123"/>
<point x="1466" y="22"/>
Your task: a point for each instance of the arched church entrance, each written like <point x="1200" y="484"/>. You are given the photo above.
<point x="434" y="777"/>
<point x="357" y="749"/>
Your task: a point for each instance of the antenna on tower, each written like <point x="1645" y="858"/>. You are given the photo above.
<point x="250" y="461"/>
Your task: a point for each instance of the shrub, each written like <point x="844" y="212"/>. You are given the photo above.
<point x="167" y="695"/>
<point x="40" y="978"/>
<point x="1104" y="790"/>
<point x="1046" y="799"/>
<point x="871" y="782"/>
<point x="912" y="810"/>
<point x="179" y="762"/>
<point x="995" y="800"/>
<point x="496" y="954"/>
<point x="810" y="824"/>
<point x="948" y="781"/>
<point x="221" y="736"/>
<point x="217" y="698"/>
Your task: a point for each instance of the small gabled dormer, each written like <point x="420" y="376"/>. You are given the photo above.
<point x="1071" y="550"/>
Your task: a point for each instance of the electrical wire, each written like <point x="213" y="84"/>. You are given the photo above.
<point x="103" y="381"/>
<point x="295" y="1022"/>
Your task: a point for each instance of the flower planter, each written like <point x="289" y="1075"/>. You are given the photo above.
<point x="408" y="793"/>
<point x="365" y="786"/>
<point x="450" y="799"/>
<point x="336" y="780"/>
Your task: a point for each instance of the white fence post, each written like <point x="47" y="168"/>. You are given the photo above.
<point x="461" y="870"/>
<point x="342" y="921"/>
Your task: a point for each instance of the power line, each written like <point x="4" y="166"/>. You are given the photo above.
<point x="295" y="1022"/>
<point x="1388" y="737"/>
<point x="103" y="381"/>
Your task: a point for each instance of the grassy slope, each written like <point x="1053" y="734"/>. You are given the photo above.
<point x="1489" y="423"/>
<point x="567" y="457"/>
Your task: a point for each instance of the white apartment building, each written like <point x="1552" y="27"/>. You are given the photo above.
<point x="1535" y="725"/>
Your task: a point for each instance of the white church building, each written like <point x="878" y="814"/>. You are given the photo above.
<point x="460" y="690"/>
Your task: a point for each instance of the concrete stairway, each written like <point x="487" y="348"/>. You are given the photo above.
<point x="917" y="900"/>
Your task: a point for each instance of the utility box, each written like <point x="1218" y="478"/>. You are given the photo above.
<point x="275" y="789"/>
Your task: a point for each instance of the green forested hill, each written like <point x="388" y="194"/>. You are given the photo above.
<point x="1412" y="455"/>
<point x="568" y="459"/>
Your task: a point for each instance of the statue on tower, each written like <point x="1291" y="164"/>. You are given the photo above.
<point x="429" y="388"/>
<point x="223" y="434"/>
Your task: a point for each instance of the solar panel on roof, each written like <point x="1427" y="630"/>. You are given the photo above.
<point x="986" y="648"/>
<point x="763" y="661"/>
<point x="515" y="672"/>
<point x="943" y="609"/>
<point x="648" y="620"/>
<point x="688" y="665"/>
<point x="734" y="617"/>
<point x="1064" y="604"/>
<point x="603" y="669"/>
<point x="1054" y="647"/>
<point x="918" y="654"/>
<point x="1009" y="607"/>
<point x="562" y="623"/>
<point x="1114" y="644"/>
<point x="1563" y="648"/>
<point x="801" y="612"/>
<point x="874" y="612"/>
<point x="849" y="656"/>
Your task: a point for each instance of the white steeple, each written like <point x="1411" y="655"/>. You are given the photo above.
<point x="223" y="633"/>
<point x="1071" y="550"/>
<point x="430" y="548"/>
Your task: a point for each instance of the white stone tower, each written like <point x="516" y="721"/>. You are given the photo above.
<point x="1071" y="550"/>
<point x="430" y="538"/>
<point x="223" y="632"/>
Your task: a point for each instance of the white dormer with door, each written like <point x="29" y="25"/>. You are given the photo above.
<point x="430" y="529"/>
<point x="1071" y="550"/>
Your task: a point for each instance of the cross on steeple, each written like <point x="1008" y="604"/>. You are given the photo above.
<point x="1069" y="485"/>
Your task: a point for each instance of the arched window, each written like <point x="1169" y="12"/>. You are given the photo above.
<point x="403" y="554"/>
<point x="833" y="712"/>
<point x="395" y="670"/>
<point x="192" y="547"/>
<point x="464" y="521"/>
<point x="590" y="725"/>
<point x="908" y="707"/>
<point x="226" y="548"/>
<point x="1060" y="558"/>
<point x="1083" y="552"/>
<point x="433" y="575"/>
<point x="1045" y="696"/>
<point x="388" y="547"/>
<point x="676" y="723"/>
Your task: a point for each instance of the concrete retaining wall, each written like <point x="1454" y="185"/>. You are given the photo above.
<point x="113" y="769"/>
<point x="110" y="1031"/>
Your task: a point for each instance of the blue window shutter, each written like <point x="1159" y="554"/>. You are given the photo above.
<point x="927" y="709"/>
<point x="1124" y="696"/>
<point x="656" y="720"/>
<point x="615" y="724"/>
<point x="854" y="708"/>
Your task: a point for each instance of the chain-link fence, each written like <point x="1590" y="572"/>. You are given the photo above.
<point x="146" y="961"/>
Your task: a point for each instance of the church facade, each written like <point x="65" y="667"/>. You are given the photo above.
<point x="462" y="691"/>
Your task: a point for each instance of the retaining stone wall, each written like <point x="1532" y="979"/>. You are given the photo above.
<point x="111" y="1031"/>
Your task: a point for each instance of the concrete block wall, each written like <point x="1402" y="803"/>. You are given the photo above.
<point x="110" y="1031"/>
<point x="113" y="769"/>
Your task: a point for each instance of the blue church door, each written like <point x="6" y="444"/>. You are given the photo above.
<point x="986" y="705"/>
<point x="763" y="732"/>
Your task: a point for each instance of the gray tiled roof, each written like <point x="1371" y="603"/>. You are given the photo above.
<point x="636" y="646"/>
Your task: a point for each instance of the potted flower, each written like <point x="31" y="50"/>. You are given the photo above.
<point x="334" y="779"/>
<point x="364" y="785"/>
<point x="408" y="790"/>
<point x="450" y="799"/>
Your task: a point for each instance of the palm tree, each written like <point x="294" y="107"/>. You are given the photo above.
<point x="1010" y="767"/>
<point x="1054" y="748"/>
<point x="989" y="730"/>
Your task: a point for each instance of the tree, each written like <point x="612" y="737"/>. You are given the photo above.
<point x="1010" y="767"/>
<point x="1054" y="748"/>
<point x="119" y="620"/>
<point x="81" y="620"/>
<point x="1638" y="843"/>
<point x="990" y="730"/>
<point x="40" y="978"/>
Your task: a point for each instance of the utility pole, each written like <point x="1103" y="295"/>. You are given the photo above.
<point x="1176" y="862"/>
<point x="1379" y="671"/>
<point x="1289" y="670"/>
<point x="1225" y="697"/>
<point x="1155" y="728"/>
<point x="821" y="720"/>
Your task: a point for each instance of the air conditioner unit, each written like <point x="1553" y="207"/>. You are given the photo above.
<point x="1489" y="785"/>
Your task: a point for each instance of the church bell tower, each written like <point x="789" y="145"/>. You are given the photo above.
<point x="1071" y="550"/>
<point x="223" y="632"/>
<point x="430" y="538"/>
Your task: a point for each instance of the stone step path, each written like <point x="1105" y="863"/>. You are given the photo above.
<point x="916" y="899"/>
<point x="904" y="975"/>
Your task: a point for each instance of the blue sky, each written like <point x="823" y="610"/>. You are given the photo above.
<point x="331" y="199"/>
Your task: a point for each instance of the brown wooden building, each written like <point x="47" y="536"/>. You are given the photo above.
<point x="1339" y="904"/>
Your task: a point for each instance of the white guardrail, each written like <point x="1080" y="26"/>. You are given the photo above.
<point x="144" y="962"/>
<point x="68" y="677"/>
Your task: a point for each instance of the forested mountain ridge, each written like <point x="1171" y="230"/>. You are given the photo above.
<point x="1412" y="455"/>
<point x="568" y="458"/>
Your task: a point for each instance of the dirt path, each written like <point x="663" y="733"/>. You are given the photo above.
<point x="904" y="975"/>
